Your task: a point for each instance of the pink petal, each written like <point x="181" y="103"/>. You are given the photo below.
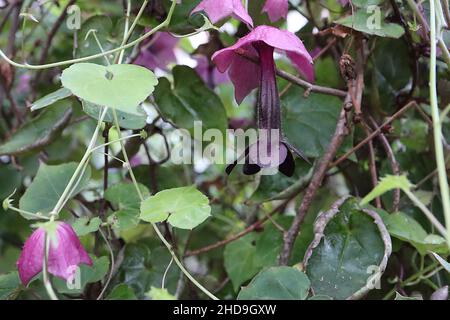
<point x="210" y="76"/>
<point x="303" y="64"/>
<point x="31" y="259"/>
<point x="216" y="10"/>
<point x="245" y="74"/>
<point x="240" y="13"/>
<point x="286" y="41"/>
<point x="276" y="9"/>
<point x="160" y="53"/>
<point x="66" y="253"/>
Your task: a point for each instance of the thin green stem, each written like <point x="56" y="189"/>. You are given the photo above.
<point x="128" y="31"/>
<point x="125" y="32"/>
<point x="128" y="34"/>
<point x="125" y="155"/>
<point x="99" y="44"/>
<point x="411" y="278"/>
<point x="437" y="127"/>
<point x="112" y="157"/>
<point x="68" y="190"/>
<point x="94" y="56"/>
<point x="435" y="222"/>
<point x="155" y="227"/>
<point x="79" y="179"/>
<point x="112" y="266"/>
<point x="444" y="113"/>
<point x="29" y="214"/>
<point x="115" y="141"/>
<point x="445" y="52"/>
<point x="46" y="279"/>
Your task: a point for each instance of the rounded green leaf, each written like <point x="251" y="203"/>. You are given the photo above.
<point x="189" y="100"/>
<point x="240" y="260"/>
<point x="277" y="283"/>
<point x="9" y="286"/>
<point x="51" y="98"/>
<point x="87" y="274"/>
<point x="309" y="123"/>
<point x="137" y="119"/>
<point x="48" y="185"/>
<point x="406" y="228"/>
<point x="184" y="207"/>
<point x="39" y="132"/>
<point x="359" y="21"/>
<point x="349" y="252"/>
<point x="122" y="292"/>
<point x="126" y="202"/>
<point x="119" y="86"/>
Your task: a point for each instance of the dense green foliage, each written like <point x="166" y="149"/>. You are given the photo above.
<point x="89" y="142"/>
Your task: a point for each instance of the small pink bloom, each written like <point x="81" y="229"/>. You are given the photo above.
<point x="159" y="51"/>
<point x="23" y="86"/>
<point x="217" y="10"/>
<point x="246" y="74"/>
<point x="208" y="72"/>
<point x="276" y="9"/>
<point x="136" y="161"/>
<point x="65" y="252"/>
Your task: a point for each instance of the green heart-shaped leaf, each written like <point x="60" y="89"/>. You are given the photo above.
<point x="277" y="283"/>
<point x="184" y="207"/>
<point x="118" y="86"/>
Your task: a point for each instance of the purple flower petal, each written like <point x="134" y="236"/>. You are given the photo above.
<point x="217" y="10"/>
<point x="267" y="154"/>
<point x="31" y="258"/>
<point x="276" y="9"/>
<point x="209" y="73"/>
<point x="160" y="52"/>
<point x="65" y="253"/>
<point x="245" y="74"/>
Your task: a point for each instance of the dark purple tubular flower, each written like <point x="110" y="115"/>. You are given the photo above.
<point x="65" y="252"/>
<point x="271" y="150"/>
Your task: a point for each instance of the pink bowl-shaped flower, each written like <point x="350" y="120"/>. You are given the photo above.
<point x="65" y="252"/>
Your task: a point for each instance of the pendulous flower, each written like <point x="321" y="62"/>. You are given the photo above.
<point x="65" y="252"/>
<point x="276" y="9"/>
<point x="217" y="10"/>
<point x="271" y="150"/>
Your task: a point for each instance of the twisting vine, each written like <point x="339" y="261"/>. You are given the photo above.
<point x="79" y="171"/>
